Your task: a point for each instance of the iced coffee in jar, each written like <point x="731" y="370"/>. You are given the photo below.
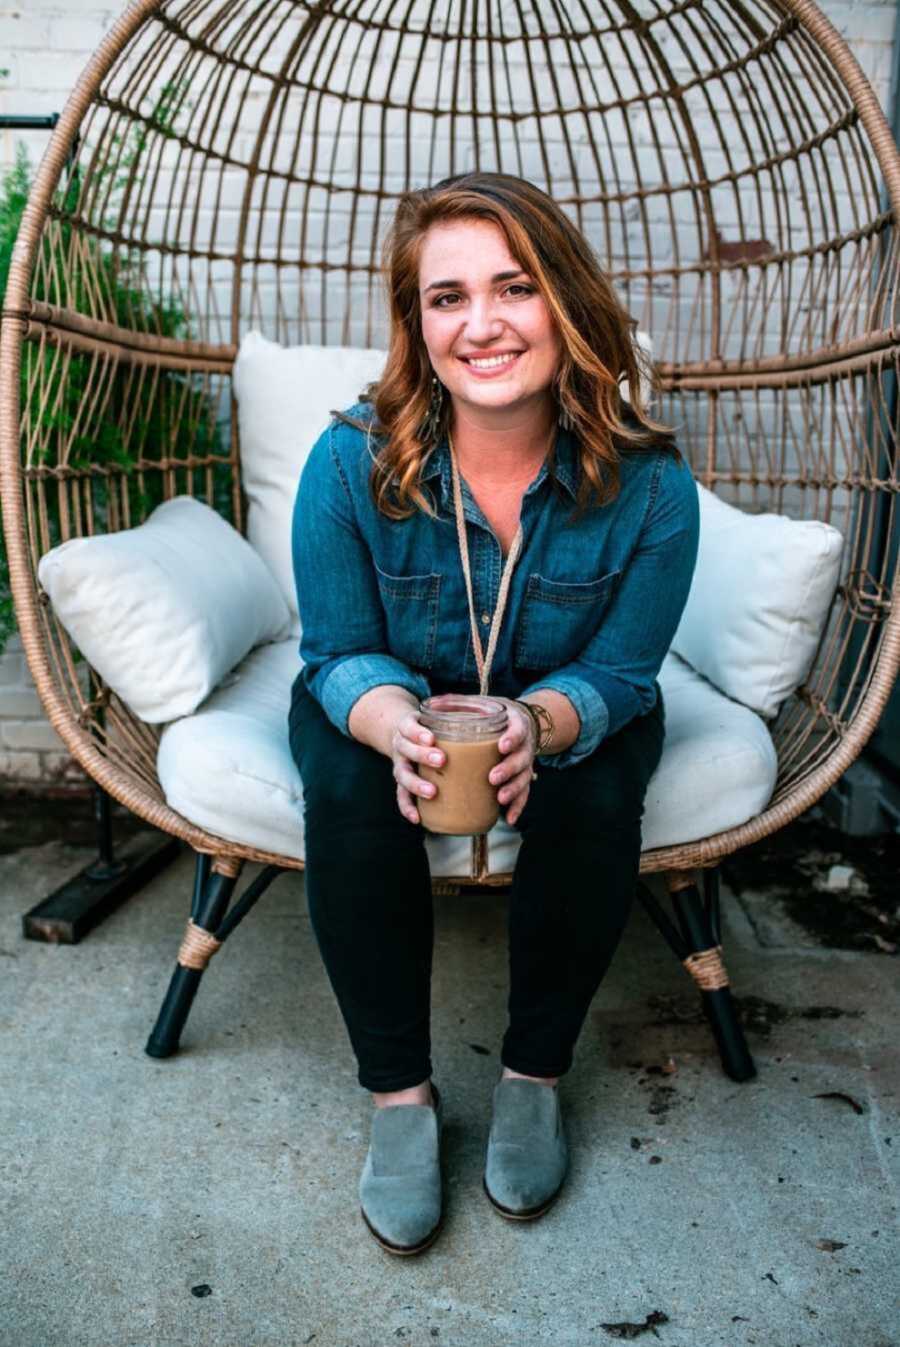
<point x="468" y="730"/>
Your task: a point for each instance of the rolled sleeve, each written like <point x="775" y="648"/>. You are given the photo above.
<point x="343" y="644"/>
<point x="342" y="684"/>
<point x="614" y="678"/>
<point x="592" y="711"/>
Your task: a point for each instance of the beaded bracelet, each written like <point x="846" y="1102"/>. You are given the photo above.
<point x="543" y="730"/>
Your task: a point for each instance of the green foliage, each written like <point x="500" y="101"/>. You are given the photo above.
<point x="13" y="196"/>
<point x="146" y="415"/>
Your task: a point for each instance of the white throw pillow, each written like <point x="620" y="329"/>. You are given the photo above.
<point x="758" y="602"/>
<point x="164" y="610"/>
<point x="284" y="397"/>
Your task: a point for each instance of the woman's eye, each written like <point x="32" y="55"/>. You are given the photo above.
<point x="524" y="292"/>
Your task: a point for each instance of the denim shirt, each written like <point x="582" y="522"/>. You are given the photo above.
<point x="592" y="606"/>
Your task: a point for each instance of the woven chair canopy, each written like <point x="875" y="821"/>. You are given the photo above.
<point x="228" y="164"/>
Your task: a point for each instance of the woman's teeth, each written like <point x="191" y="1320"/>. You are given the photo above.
<point x="491" y="362"/>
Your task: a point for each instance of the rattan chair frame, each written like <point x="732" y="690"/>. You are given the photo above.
<point x="794" y="67"/>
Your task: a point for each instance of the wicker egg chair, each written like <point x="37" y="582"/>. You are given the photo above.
<point x="223" y="164"/>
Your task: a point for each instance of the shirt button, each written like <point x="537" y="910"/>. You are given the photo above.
<point x="485" y="617"/>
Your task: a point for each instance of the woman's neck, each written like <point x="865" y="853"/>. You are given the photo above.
<point x="502" y="457"/>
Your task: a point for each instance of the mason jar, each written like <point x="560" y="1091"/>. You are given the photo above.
<point x="468" y="730"/>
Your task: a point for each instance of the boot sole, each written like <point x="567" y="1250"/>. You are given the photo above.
<point x="531" y="1215"/>
<point x="402" y="1250"/>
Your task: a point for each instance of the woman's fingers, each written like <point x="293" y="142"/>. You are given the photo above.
<point x="517" y="731"/>
<point x="512" y="766"/>
<point x="413" y="744"/>
<point x="407" y="805"/>
<point x="417" y="744"/>
<point x="518" y="804"/>
<point x="416" y="785"/>
<point x="511" y="788"/>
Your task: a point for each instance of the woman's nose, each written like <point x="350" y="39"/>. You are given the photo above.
<point x="483" y="323"/>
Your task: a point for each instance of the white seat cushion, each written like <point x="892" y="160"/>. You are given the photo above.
<point x="228" y="768"/>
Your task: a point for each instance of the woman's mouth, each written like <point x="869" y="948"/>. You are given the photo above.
<point x="490" y="366"/>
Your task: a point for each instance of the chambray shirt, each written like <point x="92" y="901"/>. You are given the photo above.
<point x="592" y="606"/>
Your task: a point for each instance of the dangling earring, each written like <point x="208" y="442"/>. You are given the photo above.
<point x="430" y="429"/>
<point x="563" y="416"/>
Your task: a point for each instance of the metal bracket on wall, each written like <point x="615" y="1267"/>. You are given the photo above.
<point x="45" y="122"/>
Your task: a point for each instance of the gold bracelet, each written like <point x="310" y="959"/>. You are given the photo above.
<point x="543" y="731"/>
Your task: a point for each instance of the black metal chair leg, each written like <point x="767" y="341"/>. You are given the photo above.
<point x="212" y="893"/>
<point x="697" y="942"/>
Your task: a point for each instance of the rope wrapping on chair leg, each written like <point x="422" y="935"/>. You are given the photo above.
<point x="707" y="969"/>
<point x="197" y="947"/>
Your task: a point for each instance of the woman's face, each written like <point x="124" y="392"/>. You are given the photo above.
<point x="489" y="334"/>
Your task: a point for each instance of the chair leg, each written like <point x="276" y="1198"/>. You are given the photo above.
<point x="697" y="940"/>
<point x="213" y="887"/>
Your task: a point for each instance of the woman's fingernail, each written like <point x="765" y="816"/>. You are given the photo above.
<point x="435" y="758"/>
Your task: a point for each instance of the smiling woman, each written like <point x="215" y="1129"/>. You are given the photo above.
<point x="498" y="301"/>
<point x="495" y="348"/>
<point x="492" y="487"/>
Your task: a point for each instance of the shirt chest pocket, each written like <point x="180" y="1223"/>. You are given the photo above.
<point x="558" y="619"/>
<point x="410" y="604"/>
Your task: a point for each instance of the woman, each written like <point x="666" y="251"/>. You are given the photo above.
<point x="500" y="400"/>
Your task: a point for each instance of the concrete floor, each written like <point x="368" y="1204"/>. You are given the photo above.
<point x="125" y="1182"/>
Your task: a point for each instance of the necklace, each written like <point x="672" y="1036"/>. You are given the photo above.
<point x="482" y="661"/>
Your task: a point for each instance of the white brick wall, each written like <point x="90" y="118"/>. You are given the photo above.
<point x="43" y="48"/>
<point x="30" y="749"/>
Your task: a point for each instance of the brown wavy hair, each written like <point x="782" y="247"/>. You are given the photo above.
<point x="594" y="327"/>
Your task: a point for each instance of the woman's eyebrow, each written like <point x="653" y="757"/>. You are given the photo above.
<point x="460" y="285"/>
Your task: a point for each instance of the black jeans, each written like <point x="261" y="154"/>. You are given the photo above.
<point x="368" y="886"/>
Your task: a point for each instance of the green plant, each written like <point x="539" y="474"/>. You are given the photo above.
<point x="13" y="197"/>
<point x="141" y="415"/>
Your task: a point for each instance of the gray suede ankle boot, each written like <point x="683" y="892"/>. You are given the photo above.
<point x="400" y="1186"/>
<point x="527" y="1156"/>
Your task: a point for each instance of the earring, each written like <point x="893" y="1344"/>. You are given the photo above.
<point x="564" y="418"/>
<point x="430" y="429"/>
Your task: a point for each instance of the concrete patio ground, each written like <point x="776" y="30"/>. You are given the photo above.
<point x="211" y="1199"/>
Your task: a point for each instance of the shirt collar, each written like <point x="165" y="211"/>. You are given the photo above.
<point x="566" y="465"/>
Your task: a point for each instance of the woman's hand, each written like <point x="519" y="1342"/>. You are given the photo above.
<point x="513" y="775"/>
<point x="412" y="743"/>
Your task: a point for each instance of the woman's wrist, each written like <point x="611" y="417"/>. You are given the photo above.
<point x="564" y="719"/>
<point x="542" y="721"/>
<point x="374" y="716"/>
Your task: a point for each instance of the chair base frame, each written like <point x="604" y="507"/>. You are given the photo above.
<point x="696" y="939"/>
<point x="214" y="884"/>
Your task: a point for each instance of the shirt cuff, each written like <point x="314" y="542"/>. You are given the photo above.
<point x="347" y="682"/>
<point x="593" y="714"/>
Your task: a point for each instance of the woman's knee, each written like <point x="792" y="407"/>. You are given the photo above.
<point x="351" y="793"/>
<point x="602" y="794"/>
<point x="345" y="783"/>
